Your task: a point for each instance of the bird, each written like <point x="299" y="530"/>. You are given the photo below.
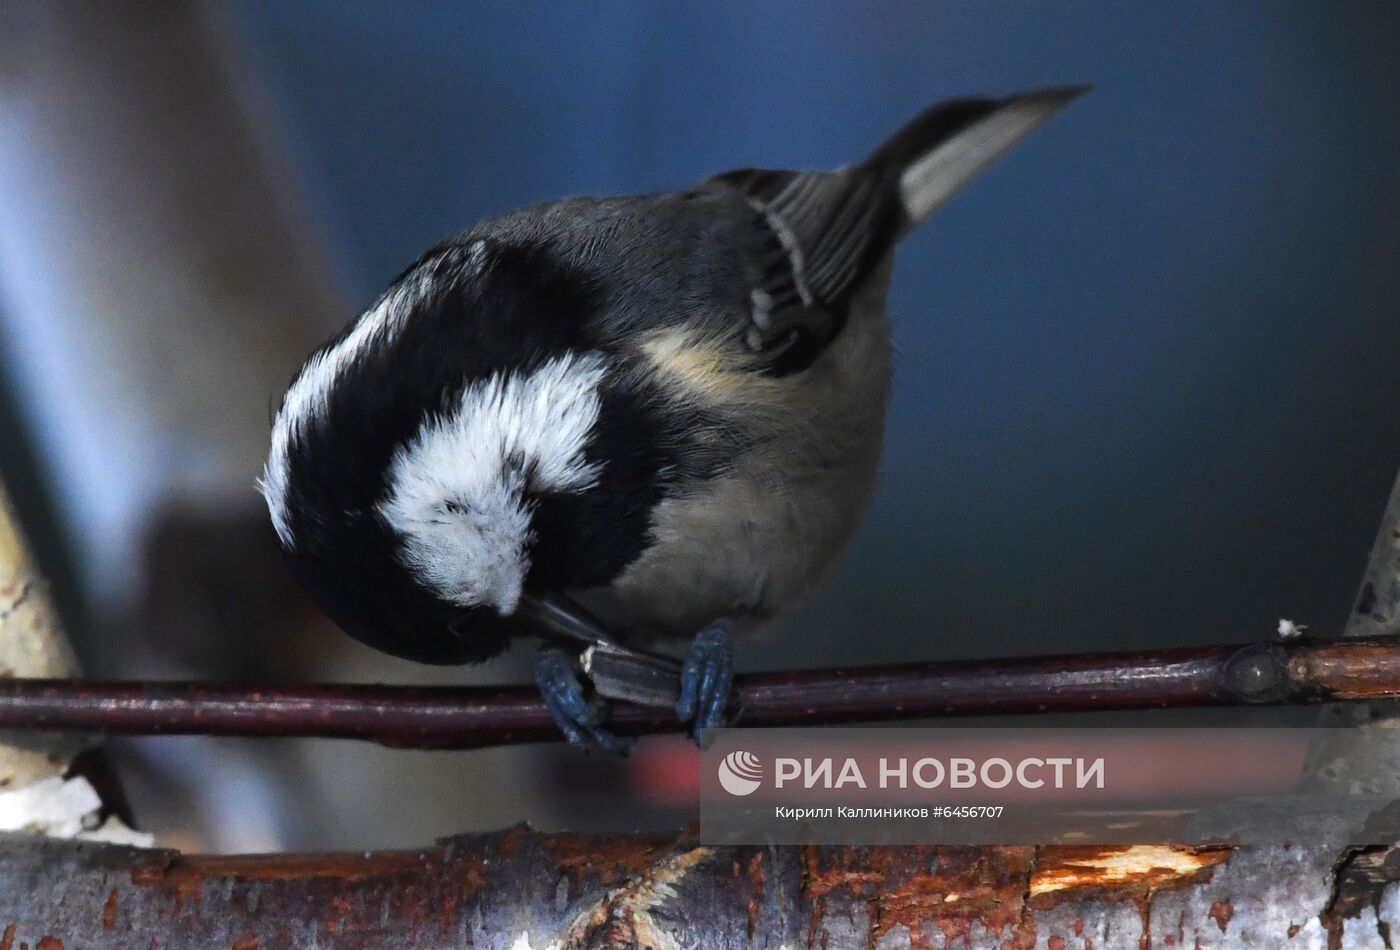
<point x="637" y="420"/>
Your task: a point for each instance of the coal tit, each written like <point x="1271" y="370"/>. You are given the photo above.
<point x="619" y="419"/>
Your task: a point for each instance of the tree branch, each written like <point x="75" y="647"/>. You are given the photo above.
<point x="1295" y="672"/>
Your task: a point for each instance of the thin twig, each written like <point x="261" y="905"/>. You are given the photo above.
<point x="1273" y="673"/>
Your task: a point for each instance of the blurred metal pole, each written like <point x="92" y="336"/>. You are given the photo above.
<point x="160" y="278"/>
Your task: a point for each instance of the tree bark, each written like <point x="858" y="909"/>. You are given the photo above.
<point x="518" y="889"/>
<point x="32" y="644"/>
<point x="1336" y="762"/>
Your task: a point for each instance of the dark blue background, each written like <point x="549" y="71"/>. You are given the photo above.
<point x="1148" y="389"/>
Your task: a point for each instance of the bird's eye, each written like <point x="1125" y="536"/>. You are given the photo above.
<point x="455" y="506"/>
<point x="457" y="626"/>
<point x="781" y="345"/>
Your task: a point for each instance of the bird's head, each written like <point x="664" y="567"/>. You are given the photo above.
<point x="461" y="444"/>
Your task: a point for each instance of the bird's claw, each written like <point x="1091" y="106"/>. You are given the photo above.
<point x="707" y="679"/>
<point x="578" y="717"/>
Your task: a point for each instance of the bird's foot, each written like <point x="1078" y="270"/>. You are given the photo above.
<point x="707" y="679"/>
<point x="579" y="717"/>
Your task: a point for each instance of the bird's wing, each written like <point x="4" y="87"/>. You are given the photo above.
<point x="821" y="229"/>
<point x="818" y="234"/>
<point x="823" y="233"/>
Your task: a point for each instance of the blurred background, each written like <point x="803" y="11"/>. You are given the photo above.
<point x="1149" y="365"/>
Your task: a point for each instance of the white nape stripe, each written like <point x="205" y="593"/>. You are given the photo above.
<point x="307" y="397"/>
<point x="456" y="491"/>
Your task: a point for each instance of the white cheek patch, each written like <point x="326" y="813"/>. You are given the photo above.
<point x="456" y="490"/>
<point x="309" y="393"/>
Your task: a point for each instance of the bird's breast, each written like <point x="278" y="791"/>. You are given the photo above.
<point x="745" y="543"/>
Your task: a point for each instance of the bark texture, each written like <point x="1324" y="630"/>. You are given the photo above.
<point x="32" y="644"/>
<point x="519" y="889"/>
<point x="1365" y="760"/>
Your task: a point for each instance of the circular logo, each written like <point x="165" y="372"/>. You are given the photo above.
<point x="740" y="773"/>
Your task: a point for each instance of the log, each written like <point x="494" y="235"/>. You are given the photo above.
<point x="520" y="889"/>
<point x="1365" y="758"/>
<point x="37" y="790"/>
<point x="32" y="643"/>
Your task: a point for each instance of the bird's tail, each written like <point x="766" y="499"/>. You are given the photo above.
<point x="941" y="150"/>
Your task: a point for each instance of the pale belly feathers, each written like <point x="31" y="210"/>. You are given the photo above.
<point x="746" y="544"/>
